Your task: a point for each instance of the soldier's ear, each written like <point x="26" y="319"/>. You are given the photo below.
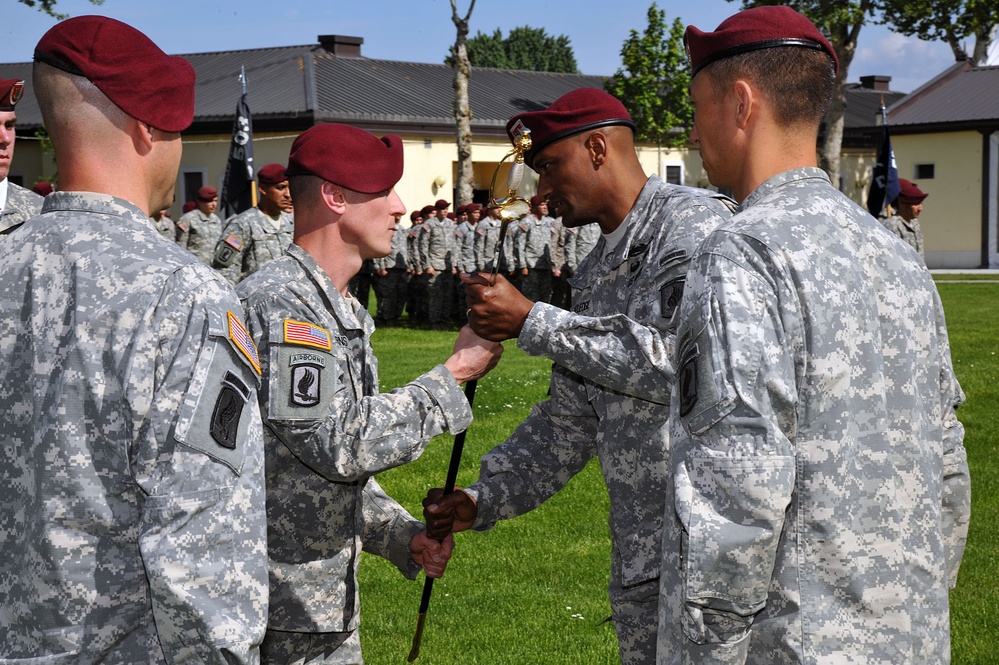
<point x="596" y="145"/>
<point x="333" y="198"/>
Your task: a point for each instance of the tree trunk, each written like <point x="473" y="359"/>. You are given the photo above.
<point x="462" y="112"/>
<point x="845" y="45"/>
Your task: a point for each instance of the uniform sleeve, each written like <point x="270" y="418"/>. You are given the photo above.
<point x="200" y="462"/>
<point x="309" y="402"/>
<point x="551" y="446"/>
<point x="733" y="466"/>
<point x="388" y="528"/>
<point x="229" y="252"/>
<point x="956" y="499"/>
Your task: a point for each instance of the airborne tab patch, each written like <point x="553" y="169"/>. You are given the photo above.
<point x="306" y="334"/>
<point x="241" y="339"/>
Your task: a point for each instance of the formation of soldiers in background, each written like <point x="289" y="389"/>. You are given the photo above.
<point x="419" y="276"/>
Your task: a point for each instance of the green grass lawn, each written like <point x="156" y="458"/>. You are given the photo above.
<point x="533" y="590"/>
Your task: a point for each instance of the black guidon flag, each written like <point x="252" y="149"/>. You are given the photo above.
<point x="237" y="190"/>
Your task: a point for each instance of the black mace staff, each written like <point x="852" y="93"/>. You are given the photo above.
<point x="511" y="208"/>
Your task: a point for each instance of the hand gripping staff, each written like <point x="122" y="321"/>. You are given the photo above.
<point x="512" y="208"/>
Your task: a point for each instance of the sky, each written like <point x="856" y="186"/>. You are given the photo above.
<point x="422" y="31"/>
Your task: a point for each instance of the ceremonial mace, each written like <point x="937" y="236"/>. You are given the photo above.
<point x="511" y="209"/>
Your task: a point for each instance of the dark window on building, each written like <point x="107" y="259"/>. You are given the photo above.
<point x="193" y="180"/>
<point x="925" y="171"/>
<point x="674" y="175"/>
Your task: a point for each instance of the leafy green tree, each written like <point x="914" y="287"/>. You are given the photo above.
<point x="654" y="81"/>
<point x="48" y="6"/>
<point x="524" y="48"/>
<point x="952" y="22"/>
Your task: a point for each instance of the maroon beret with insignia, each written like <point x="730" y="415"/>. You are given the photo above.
<point x="577" y="111"/>
<point x="207" y="193"/>
<point x="752" y="30"/>
<point x="441" y="204"/>
<point x="347" y="156"/>
<point x="10" y="92"/>
<point x="272" y="174"/>
<point x="909" y="193"/>
<point x="125" y="65"/>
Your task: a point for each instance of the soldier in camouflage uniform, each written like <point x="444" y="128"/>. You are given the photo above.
<point x="133" y="524"/>
<point x="200" y="228"/>
<point x="533" y="250"/>
<point x="610" y="385"/>
<point x="164" y="225"/>
<point x="821" y="496"/>
<point x="391" y="279"/>
<point x="905" y="222"/>
<point x="438" y="256"/>
<point x="486" y="239"/>
<point x="328" y="428"/>
<point x="258" y="235"/>
<point x="17" y="204"/>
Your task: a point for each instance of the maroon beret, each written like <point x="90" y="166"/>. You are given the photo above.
<point x="43" y="188"/>
<point x="347" y="156"/>
<point x="537" y="200"/>
<point x="909" y="193"/>
<point x="415" y="215"/>
<point x="473" y="207"/>
<point x="188" y="207"/>
<point x="426" y="211"/>
<point x="207" y="193"/>
<point x="272" y="174"/>
<point x="752" y="30"/>
<point x="10" y="92"/>
<point x="441" y="204"/>
<point x="450" y="216"/>
<point x="125" y="65"/>
<point x="577" y="111"/>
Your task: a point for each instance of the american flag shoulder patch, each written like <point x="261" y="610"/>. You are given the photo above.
<point x="306" y="334"/>
<point x="242" y="341"/>
<point x="234" y="242"/>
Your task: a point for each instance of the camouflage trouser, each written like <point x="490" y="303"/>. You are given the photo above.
<point x="439" y="296"/>
<point x="537" y="285"/>
<point x="391" y="293"/>
<point x="283" y="648"/>
<point x="636" y="619"/>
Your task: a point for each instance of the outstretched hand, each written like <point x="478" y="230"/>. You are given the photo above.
<point x="496" y="309"/>
<point x="448" y="513"/>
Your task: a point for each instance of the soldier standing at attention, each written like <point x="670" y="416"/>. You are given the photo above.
<point x="200" y="228"/>
<point x="534" y="252"/>
<point x="819" y="493"/>
<point x="258" y="235"/>
<point x="17" y="204"/>
<point x="439" y="266"/>
<point x="905" y="222"/>
<point x="329" y="430"/>
<point x="487" y="239"/>
<point x="132" y="524"/>
<point x="611" y="381"/>
<point x="391" y="279"/>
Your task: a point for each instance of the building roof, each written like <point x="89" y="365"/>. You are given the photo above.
<point x="294" y="87"/>
<point x="963" y="97"/>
